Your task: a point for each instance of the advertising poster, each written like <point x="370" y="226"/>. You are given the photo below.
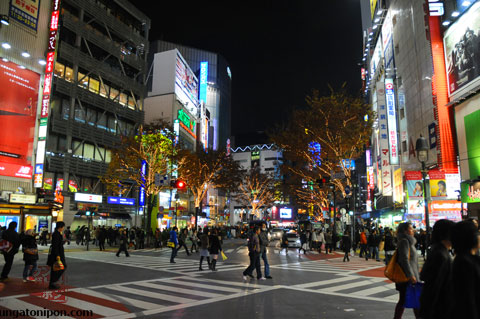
<point x="186" y="83"/>
<point x="25" y="12"/>
<point x="416" y="209"/>
<point x="473" y="143"/>
<point x="414" y="183"/>
<point x="453" y="185"/>
<point x="18" y="105"/>
<point x="445" y="209"/>
<point x="386" y="168"/>
<point x="462" y="55"/>
<point x="438" y="185"/>
<point x="398" y="186"/>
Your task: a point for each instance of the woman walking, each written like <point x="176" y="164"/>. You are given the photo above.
<point x="194" y="240"/>
<point x="56" y="252"/>
<point x="321" y="240"/>
<point x="328" y="242"/>
<point x="204" y="243"/>
<point x="215" y="248"/>
<point x="408" y="260"/>
<point x="346" y="245"/>
<point x="123" y="244"/>
<point x="30" y="255"/>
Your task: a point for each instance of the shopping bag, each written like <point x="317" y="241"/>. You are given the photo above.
<point x="224" y="257"/>
<point x="412" y="296"/>
<point x="5" y="246"/>
<point x="171" y="244"/>
<point x="58" y="265"/>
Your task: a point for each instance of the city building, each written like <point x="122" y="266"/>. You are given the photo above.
<point x="268" y="159"/>
<point x="405" y="80"/>
<point x="214" y="75"/>
<point x="24" y="40"/>
<point x="97" y="93"/>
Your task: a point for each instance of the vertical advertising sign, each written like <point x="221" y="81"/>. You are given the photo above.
<point x="392" y="121"/>
<point x="47" y="90"/>
<point x="141" y="195"/>
<point x="398" y="186"/>
<point x="386" y="169"/>
<point x="18" y="105"/>
<point x="203" y="81"/>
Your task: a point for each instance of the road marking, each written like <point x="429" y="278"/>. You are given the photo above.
<point x="347" y="286"/>
<point x="180" y="290"/>
<point x="197" y="285"/>
<point x="97" y="309"/>
<point x="373" y="291"/>
<point x="325" y="282"/>
<point x="151" y="294"/>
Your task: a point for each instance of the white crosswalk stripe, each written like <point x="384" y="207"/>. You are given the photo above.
<point x="128" y="300"/>
<point x="334" y="265"/>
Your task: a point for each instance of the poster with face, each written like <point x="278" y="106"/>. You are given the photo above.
<point x="414" y="183"/>
<point x="438" y="184"/>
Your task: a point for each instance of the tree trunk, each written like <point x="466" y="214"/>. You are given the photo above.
<point x="148" y="216"/>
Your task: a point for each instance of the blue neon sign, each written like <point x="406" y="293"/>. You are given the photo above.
<point x="143" y="172"/>
<point x="121" y="201"/>
<point x="203" y="81"/>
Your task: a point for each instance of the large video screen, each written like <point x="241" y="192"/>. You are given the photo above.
<point x="18" y="109"/>
<point x="186" y="83"/>
<point x="462" y="52"/>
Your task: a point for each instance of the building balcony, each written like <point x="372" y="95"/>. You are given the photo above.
<point x="72" y="90"/>
<point x="103" y="41"/>
<point x="60" y="162"/>
<point x="75" y="56"/>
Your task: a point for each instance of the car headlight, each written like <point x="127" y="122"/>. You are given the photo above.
<point x="298" y="241"/>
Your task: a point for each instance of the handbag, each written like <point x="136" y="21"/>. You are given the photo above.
<point x="412" y="295"/>
<point x="58" y="265"/>
<point x="224" y="257"/>
<point x="171" y="244"/>
<point x="393" y="271"/>
<point x="5" y="246"/>
<point x="31" y="251"/>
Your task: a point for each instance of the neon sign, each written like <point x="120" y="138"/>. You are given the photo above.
<point x="187" y="123"/>
<point x="392" y="121"/>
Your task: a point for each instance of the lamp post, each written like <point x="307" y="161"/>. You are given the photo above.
<point x="421" y="147"/>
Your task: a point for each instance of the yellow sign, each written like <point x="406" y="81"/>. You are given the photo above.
<point x="373" y="5"/>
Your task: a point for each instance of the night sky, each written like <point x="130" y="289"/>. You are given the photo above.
<point x="278" y="50"/>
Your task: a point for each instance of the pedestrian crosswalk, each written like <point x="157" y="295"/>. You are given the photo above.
<point x="333" y="265"/>
<point x="159" y="263"/>
<point x="133" y="299"/>
<point x="371" y="288"/>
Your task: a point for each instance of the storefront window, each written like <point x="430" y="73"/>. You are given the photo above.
<point x="79" y="114"/>
<point x="139" y="105"/>
<point x="94" y="86"/>
<point x="112" y="124"/>
<point x="69" y="74"/>
<point x="48" y="181"/>
<point x="65" y="109"/>
<point x="88" y="151"/>
<point x="108" y="156"/>
<point x="59" y="69"/>
<point x="83" y="80"/>
<point x="77" y="148"/>
<point x="102" y="121"/>
<point x="131" y="103"/>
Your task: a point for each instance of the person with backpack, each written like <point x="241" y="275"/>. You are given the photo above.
<point x="254" y="254"/>
<point x="11" y="236"/>
<point x="30" y="255"/>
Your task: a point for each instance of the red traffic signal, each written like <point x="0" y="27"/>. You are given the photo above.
<point x="179" y="184"/>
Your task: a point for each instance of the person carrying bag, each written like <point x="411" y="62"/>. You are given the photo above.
<point x="56" y="256"/>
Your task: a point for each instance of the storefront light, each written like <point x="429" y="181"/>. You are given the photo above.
<point x="21" y="67"/>
<point x="42" y="62"/>
<point x="455" y="14"/>
<point x="375" y="26"/>
<point x="466" y="3"/>
<point x="5" y="60"/>
<point x="6" y="45"/>
<point x="446" y="23"/>
<point x="4" y="19"/>
<point x="25" y="54"/>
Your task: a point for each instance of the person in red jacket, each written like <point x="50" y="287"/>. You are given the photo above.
<point x="363" y="244"/>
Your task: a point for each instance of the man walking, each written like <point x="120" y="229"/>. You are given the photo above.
<point x="173" y="239"/>
<point x="263" y="249"/>
<point x="254" y="254"/>
<point x="12" y="237"/>
<point x="373" y="243"/>
<point x="363" y="245"/>
<point x="123" y="244"/>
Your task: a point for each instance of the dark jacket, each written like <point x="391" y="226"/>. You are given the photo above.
<point x="436" y="298"/>
<point x="123" y="240"/>
<point x="466" y="286"/>
<point x="373" y="240"/>
<point x="263" y="240"/>
<point x="389" y="242"/>
<point x="346" y="243"/>
<point x="215" y="246"/>
<point x="28" y="241"/>
<point x="204" y="242"/>
<point x="12" y="236"/>
<point x="56" y="249"/>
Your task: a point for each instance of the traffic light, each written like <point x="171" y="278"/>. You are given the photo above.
<point x="178" y="184"/>
<point x="324" y="181"/>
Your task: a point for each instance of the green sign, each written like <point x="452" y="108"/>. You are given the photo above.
<point x="473" y="143"/>
<point x="187" y="122"/>
<point x="470" y="192"/>
<point x="255" y="155"/>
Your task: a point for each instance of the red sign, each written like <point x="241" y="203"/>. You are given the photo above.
<point x="14" y="170"/>
<point x="18" y="105"/>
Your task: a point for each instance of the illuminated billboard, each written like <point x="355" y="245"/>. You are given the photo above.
<point x="285" y="213"/>
<point x="203" y="81"/>
<point x="25" y="12"/>
<point x="18" y="108"/>
<point x="186" y="83"/>
<point x="461" y="52"/>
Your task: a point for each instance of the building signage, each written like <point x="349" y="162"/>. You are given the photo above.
<point x="121" y="201"/>
<point x="392" y="121"/>
<point x="462" y="62"/>
<point x="186" y="83"/>
<point x="47" y="89"/>
<point x="385" y="169"/>
<point x="14" y="170"/>
<point x="414" y="182"/>
<point x="25" y="12"/>
<point x="141" y="195"/>
<point x="373" y="5"/>
<point x="285" y="213"/>
<point x="470" y="192"/>
<point x="88" y="198"/>
<point x="23" y="199"/>
<point x="398" y="186"/>
<point x="203" y="81"/>
<point x="436" y="8"/>
<point x="187" y="123"/>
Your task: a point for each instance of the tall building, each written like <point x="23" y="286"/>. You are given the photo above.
<point x="215" y="88"/>
<point x="24" y="32"/>
<point x="97" y="96"/>
<point x="409" y="78"/>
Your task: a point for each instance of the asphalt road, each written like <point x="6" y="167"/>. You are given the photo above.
<point x="147" y="285"/>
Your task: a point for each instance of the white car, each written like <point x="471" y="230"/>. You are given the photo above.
<point x="293" y="240"/>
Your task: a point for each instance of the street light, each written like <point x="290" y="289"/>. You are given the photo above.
<point x="421" y="146"/>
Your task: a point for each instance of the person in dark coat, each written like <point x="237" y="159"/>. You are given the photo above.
<point x="204" y="244"/>
<point x="215" y="248"/>
<point x="30" y="255"/>
<point x="68" y="235"/>
<point x="346" y="245"/>
<point x="435" y="273"/>
<point x="303" y="243"/>
<point x="123" y="244"/>
<point x="11" y="236"/>
<point x="102" y="235"/>
<point x="465" y="275"/>
<point x="56" y="250"/>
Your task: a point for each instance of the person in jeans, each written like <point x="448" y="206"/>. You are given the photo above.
<point x="373" y="242"/>
<point x="263" y="249"/>
<point x="173" y="238"/>
<point x="30" y="255"/>
<point x="254" y="254"/>
<point x="407" y="259"/>
<point x="11" y="236"/>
